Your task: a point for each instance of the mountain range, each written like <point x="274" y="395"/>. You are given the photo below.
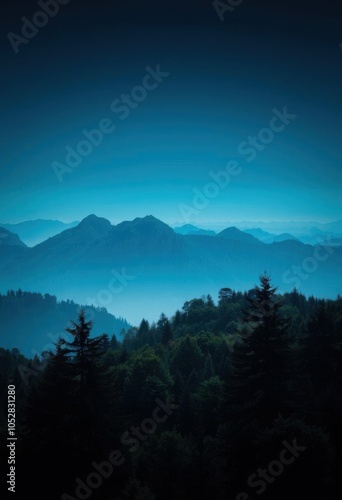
<point x="266" y="237"/>
<point x="142" y="267"/>
<point x="35" y="231"/>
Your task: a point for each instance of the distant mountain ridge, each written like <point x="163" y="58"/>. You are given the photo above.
<point x="34" y="322"/>
<point x="136" y="267"/>
<point x="7" y="238"/>
<point x="233" y="233"/>
<point x="11" y="246"/>
<point x="266" y="237"/>
<point x="35" y="231"/>
<point x="190" y="229"/>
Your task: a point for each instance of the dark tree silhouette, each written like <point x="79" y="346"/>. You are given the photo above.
<point x="258" y="385"/>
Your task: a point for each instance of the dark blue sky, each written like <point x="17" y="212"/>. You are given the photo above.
<point x="225" y="80"/>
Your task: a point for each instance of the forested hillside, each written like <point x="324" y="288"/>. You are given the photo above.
<point x="33" y="322"/>
<point x="224" y="400"/>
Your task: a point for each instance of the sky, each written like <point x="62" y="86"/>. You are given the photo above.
<point x="203" y="116"/>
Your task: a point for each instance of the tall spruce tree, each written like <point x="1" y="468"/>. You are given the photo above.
<point x="82" y="352"/>
<point x="258" y="388"/>
<point x="72" y="408"/>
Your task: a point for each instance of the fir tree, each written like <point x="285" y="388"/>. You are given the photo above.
<point x="258" y="387"/>
<point x="83" y="351"/>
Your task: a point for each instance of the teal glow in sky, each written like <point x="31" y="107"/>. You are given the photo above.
<point x="224" y="80"/>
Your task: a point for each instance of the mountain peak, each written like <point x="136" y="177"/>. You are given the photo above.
<point x="149" y="221"/>
<point x="92" y="221"/>
<point x="149" y="217"/>
<point x="233" y="233"/>
<point x="89" y="229"/>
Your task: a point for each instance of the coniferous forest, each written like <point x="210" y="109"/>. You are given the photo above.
<point x="233" y="397"/>
<point x="171" y="250"/>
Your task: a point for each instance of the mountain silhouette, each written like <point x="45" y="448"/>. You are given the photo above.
<point x="7" y="238"/>
<point x="232" y="233"/>
<point x="33" y="232"/>
<point x="89" y="263"/>
<point x="190" y="229"/>
<point x="266" y="237"/>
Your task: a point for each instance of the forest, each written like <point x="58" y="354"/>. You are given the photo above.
<point x="234" y="398"/>
<point x="33" y="322"/>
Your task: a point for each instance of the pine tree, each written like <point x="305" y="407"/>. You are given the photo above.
<point x="321" y="349"/>
<point x="258" y="387"/>
<point x="83" y="351"/>
<point x="164" y="329"/>
<point x="95" y="394"/>
<point x="225" y="294"/>
<point x="113" y="342"/>
<point x="143" y="333"/>
<point x="210" y="302"/>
